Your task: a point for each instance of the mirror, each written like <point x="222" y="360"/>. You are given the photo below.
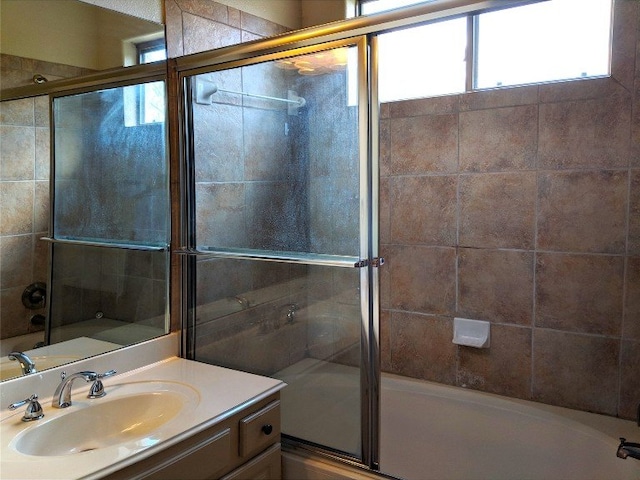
<point x="69" y="38"/>
<point x="98" y="39"/>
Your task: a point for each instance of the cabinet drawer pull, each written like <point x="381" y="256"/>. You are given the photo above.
<point x="259" y="430"/>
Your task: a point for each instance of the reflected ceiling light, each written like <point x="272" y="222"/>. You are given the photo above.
<point x="317" y="63"/>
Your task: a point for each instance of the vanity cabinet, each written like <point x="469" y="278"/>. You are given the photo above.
<point x="244" y="446"/>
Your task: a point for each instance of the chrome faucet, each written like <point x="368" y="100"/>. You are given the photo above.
<point x="26" y="364"/>
<point x="62" y="395"/>
<point x="628" y="449"/>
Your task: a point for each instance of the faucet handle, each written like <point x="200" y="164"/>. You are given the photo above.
<point x="33" y="411"/>
<point x="97" y="389"/>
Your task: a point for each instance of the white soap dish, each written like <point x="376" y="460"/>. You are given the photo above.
<point x="471" y="333"/>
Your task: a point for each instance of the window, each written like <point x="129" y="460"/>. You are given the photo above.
<point x="541" y="42"/>
<point x="375" y="6"/>
<point x="152" y="51"/>
<point x="151" y="100"/>
<point x="556" y="40"/>
<point x="408" y="70"/>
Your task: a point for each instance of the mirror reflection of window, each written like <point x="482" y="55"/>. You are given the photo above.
<point x="153" y="51"/>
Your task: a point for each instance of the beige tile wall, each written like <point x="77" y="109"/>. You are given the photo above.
<point x="24" y="188"/>
<point x="519" y="206"/>
<point x="24" y="207"/>
<point x="198" y="25"/>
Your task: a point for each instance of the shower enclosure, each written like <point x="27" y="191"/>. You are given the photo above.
<point x="109" y="221"/>
<point x="280" y="249"/>
<point x="284" y="143"/>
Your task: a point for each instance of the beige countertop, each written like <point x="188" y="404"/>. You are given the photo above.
<point x="215" y="394"/>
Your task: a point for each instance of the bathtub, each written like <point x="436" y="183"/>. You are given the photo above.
<point x="431" y="431"/>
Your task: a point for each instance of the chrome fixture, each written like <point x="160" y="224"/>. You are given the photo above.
<point x="37" y="320"/>
<point x="292" y="308"/>
<point x="62" y="395"/>
<point x="39" y="79"/>
<point x="26" y="364"/>
<point x="34" y="296"/>
<point x="205" y="90"/>
<point x="33" y="411"/>
<point x="628" y="449"/>
<point x="97" y="389"/>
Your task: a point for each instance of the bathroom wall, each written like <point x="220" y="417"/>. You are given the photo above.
<point x="19" y="71"/>
<point x="24" y="189"/>
<point x="24" y="207"/>
<point x="199" y="25"/>
<point x="519" y="206"/>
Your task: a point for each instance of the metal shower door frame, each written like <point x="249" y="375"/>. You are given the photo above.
<point x="188" y="251"/>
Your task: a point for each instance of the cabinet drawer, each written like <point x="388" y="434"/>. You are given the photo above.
<point x="266" y="466"/>
<point x="203" y="460"/>
<point x="259" y="430"/>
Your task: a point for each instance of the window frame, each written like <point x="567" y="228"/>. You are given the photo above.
<point x="144" y="48"/>
<point x="472" y="53"/>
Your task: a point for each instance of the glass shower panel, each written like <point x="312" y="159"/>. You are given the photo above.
<point x="276" y="157"/>
<point x="111" y="182"/>
<point x="276" y="170"/>
<point x="113" y="296"/>
<point x="298" y="323"/>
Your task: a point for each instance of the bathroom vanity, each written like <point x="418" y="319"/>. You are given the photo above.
<point x="171" y="419"/>
<point x="245" y="446"/>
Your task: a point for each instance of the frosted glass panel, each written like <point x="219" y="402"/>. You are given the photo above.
<point x="549" y="41"/>
<point x="111" y="166"/>
<point x="272" y="175"/>
<point x="423" y="61"/>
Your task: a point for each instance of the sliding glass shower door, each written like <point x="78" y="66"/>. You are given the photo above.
<point x="280" y="237"/>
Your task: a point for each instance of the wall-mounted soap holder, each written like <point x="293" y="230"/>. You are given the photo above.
<point x="471" y="333"/>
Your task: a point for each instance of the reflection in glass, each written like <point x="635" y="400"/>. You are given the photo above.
<point x="298" y="323"/>
<point x="110" y="283"/>
<point x="111" y="180"/>
<point x="106" y="294"/>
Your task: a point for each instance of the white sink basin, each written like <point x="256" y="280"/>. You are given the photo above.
<point x="134" y="415"/>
